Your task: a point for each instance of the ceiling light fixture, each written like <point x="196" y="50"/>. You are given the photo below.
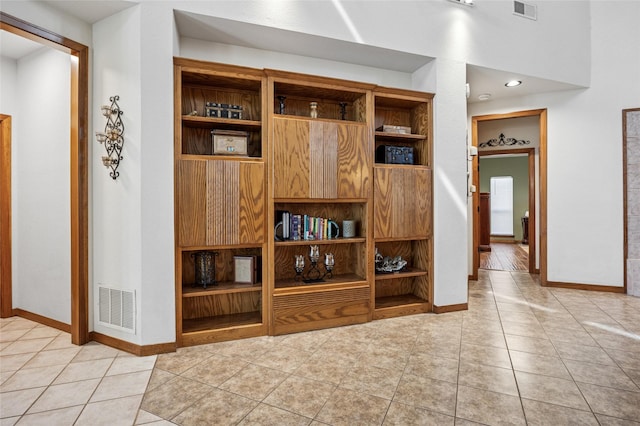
<point x="484" y="96"/>
<point x="464" y="2"/>
<point x="513" y="83"/>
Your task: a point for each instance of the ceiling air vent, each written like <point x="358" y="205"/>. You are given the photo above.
<point x="525" y="10"/>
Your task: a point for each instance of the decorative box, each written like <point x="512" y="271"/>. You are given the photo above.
<point x="391" y="154"/>
<point x="405" y="130"/>
<point x="214" y="109"/>
<point x="229" y="142"/>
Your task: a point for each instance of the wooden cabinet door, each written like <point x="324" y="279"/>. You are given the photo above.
<point x="353" y="179"/>
<point x="291" y="158"/>
<point x="402" y="202"/>
<point x="318" y="159"/>
<point x="221" y="202"/>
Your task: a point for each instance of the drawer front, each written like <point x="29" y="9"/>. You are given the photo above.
<point x="316" y="310"/>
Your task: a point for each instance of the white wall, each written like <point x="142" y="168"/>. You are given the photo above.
<point x="133" y="234"/>
<point x="584" y="205"/>
<point x="487" y="34"/>
<point x="43" y="15"/>
<point x="8" y="89"/>
<point x="39" y="103"/>
<point x="256" y="58"/>
<point x="158" y="45"/>
<point x="117" y="240"/>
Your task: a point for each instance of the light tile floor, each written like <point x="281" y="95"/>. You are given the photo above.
<point x="46" y="380"/>
<point x="521" y="354"/>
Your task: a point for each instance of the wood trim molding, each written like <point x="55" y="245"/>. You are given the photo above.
<point x="543" y="197"/>
<point x="42" y="320"/>
<point x="78" y="165"/>
<point x="450" y="308"/>
<point x="589" y="287"/>
<point x="132" y="348"/>
<point x="542" y="113"/>
<point x="6" y="297"/>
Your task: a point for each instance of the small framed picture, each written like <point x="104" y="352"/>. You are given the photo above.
<point x="245" y="269"/>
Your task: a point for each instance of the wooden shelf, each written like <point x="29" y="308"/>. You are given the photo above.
<point x="208" y="157"/>
<point x="409" y="272"/>
<point x="320" y="200"/>
<point x="221" y="288"/>
<point x="323" y="119"/>
<point x="227" y="123"/>
<point x="395" y="166"/>
<point x="400" y="239"/>
<point x="219" y="322"/>
<point x="394" y="306"/>
<point x="345" y="280"/>
<point x="320" y="242"/>
<point x="399" y="137"/>
<point x="393" y="301"/>
<point x="220" y="247"/>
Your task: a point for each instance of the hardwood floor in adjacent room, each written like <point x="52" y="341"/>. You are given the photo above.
<point x="505" y="257"/>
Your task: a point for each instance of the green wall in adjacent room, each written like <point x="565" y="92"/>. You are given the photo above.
<point x="518" y="168"/>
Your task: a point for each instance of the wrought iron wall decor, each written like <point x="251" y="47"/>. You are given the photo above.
<point x="113" y="136"/>
<point x="503" y="141"/>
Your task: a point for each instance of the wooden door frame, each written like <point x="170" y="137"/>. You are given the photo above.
<point x="79" y="195"/>
<point x="542" y="124"/>
<point x="6" y="307"/>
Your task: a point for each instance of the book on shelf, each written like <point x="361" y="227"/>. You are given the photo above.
<point x="295" y="226"/>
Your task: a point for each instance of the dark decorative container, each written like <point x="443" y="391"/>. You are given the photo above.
<point x="205" y="268"/>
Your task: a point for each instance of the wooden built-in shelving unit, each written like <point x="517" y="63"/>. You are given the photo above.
<point x="321" y="167"/>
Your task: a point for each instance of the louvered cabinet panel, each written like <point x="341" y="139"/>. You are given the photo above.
<point x="221" y="203"/>
<point x="235" y="202"/>
<point x="320" y="159"/>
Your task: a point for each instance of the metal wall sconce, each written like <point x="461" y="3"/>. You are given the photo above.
<point x="113" y="136"/>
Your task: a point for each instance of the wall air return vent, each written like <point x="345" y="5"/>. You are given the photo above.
<point x="525" y="10"/>
<point x="116" y="309"/>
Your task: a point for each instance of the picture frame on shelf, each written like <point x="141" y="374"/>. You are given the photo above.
<point x="245" y="269"/>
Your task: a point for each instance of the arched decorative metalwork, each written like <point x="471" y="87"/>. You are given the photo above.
<point x="113" y="136"/>
<point x="503" y="141"/>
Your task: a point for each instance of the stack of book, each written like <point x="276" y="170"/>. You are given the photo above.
<point x="303" y="227"/>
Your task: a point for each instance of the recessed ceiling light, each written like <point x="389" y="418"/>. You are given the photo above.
<point x="513" y="83"/>
<point x="484" y="96"/>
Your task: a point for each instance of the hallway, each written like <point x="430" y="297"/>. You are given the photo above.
<point x="505" y="257"/>
<point x="522" y="354"/>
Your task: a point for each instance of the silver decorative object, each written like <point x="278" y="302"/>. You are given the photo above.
<point x="313" y="275"/>
<point x="299" y="263"/>
<point x="389" y="264"/>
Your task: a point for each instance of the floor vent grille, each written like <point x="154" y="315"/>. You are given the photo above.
<point x="117" y="308"/>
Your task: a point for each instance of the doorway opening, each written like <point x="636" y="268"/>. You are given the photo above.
<point x="535" y="212"/>
<point x="504" y="210"/>
<point x="78" y="184"/>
